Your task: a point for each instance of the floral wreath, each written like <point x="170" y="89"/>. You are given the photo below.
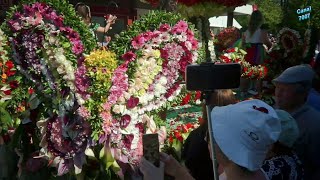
<point x="236" y="55"/>
<point x="149" y="78"/>
<point x="48" y="53"/>
<point x="290" y="39"/>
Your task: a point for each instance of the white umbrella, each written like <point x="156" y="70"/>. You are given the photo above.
<point x="221" y="21"/>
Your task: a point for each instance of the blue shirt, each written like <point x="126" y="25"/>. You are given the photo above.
<point x="314" y="99"/>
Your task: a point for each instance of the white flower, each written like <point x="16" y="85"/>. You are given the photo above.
<point x="163" y="80"/>
<point x="119" y="109"/>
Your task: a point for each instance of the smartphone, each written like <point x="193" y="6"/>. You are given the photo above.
<point x="210" y="76"/>
<point x="151" y="148"/>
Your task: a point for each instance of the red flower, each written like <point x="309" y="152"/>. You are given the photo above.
<point x="178" y="136"/>
<point x="30" y="91"/>
<point x="198" y="95"/>
<point x="9" y="65"/>
<point x="125" y="121"/>
<point x="129" y="56"/>
<point x="186" y="99"/>
<point x="164" y="27"/>
<point x="170" y="139"/>
<point x="10" y="73"/>
<point x="7" y="92"/>
<point x="231" y="50"/>
<point x="132" y="102"/>
<point x="13" y="84"/>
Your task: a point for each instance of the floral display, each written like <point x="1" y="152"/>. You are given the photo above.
<point x="290" y="39"/>
<point x="48" y="54"/>
<point x="226" y="38"/>
<point x="236" y="55"/>
<point x="149" y="78"/>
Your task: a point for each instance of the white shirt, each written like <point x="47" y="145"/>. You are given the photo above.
<point x="255" y="38"/>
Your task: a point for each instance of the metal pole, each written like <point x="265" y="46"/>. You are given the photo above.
<point x="213" y="153"/>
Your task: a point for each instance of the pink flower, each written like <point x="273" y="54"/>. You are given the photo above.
<point x="194" y="44"/>
<point x="129" y="56"/>
<point x="180" y="27"/>
<point x="147" y="35"/>
<point x="83" y="111"/>
<point x="137" y="42"/>
<point x="164" y="54"/>
<point x="190" y="35"/>
<point x="125" y="121"/>
<point x="164" y="27"/>
<point x="77" y="48"/>
<point x="132" y="102"/>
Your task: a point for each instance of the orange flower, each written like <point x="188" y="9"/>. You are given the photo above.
<point x="4" y="76"/>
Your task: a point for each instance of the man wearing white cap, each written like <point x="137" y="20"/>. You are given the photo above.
<point x="292" y="89"/>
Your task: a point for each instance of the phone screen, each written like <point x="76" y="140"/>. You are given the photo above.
<point x="151" y="148"/>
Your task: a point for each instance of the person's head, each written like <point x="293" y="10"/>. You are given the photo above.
<point x="244" y="132"/>
<point x="84" y="12"/>
<point x="256" y="20"/>
<point x="220" y="97"/>
<point x="292" y="87"/>
<point x="288" y="136"/>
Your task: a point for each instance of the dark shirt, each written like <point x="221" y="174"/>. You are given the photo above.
<point x="283" y="167"/>
<point x="197" y="156"/>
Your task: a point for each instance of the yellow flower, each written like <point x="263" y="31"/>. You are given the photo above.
<point x="156" y="53"/>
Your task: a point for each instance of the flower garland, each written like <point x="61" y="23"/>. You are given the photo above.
<point x="149" y="77"/>
<point x="236" y="55"/>
<point x="289" y="38"/>
<point x="49" y="54"/>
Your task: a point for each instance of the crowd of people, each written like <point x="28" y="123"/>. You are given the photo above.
<point x="253" y="140"/>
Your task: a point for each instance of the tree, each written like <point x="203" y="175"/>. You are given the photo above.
<point x="271" y="11"/>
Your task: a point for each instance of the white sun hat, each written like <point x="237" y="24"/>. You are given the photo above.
<point x="245" y="131"/>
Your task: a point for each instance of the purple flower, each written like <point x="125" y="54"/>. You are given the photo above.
<point x="77" y="47"/>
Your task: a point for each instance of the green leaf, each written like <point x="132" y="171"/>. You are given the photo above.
<point x="106" y="157"/>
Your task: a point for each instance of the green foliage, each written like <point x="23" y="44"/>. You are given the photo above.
<point x="71" y="19"/>
<point x="151" y="21"/>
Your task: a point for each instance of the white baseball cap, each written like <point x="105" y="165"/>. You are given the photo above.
<point x="245" y="131"/>
<point x="289" y="128"/>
